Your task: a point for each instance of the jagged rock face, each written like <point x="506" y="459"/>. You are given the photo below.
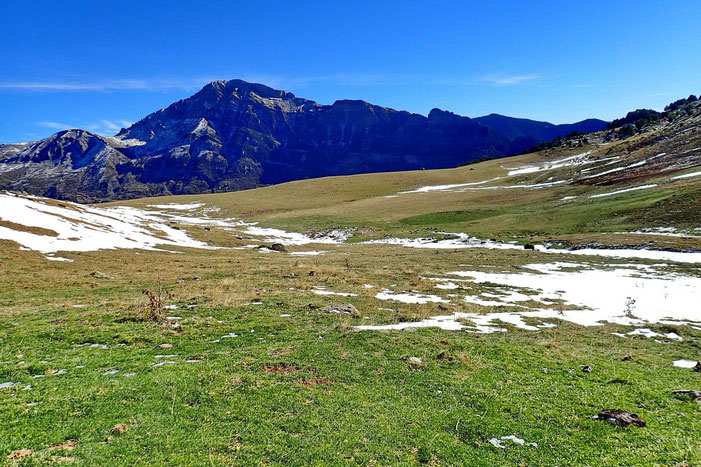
<point x="73" y="164"/>
<point x="234" y="135"/>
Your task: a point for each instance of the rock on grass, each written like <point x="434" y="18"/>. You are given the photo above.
<point x="620" y="418"/>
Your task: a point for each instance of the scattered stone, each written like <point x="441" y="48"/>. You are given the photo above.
<point x="345" y="308"/>
<point x="627" y="358"/>
<point x="101" y="275"/>
<point x="9" y="384"/>
<point x="687" y="394"/>
<point x="166" y="346"/>
<point x="19" y="454"/>
<point x="528" y="246"/>
<point x="196" y="278"/>
<point x="119" y="428"/>
<point x="586" y="369"/>
<point x="697" y="368"/>
<point x="545" y="370"/>
<point x="415" y="361"/>
<point x="312" y="273"/>
<point x="278" y="247"/>
<point x="620" y="418"/>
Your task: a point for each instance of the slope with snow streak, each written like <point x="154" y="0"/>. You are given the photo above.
<point x="571" y="161"/>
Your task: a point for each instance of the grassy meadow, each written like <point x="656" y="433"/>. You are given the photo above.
<point x="249" y="369"/>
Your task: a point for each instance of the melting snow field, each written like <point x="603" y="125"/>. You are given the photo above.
<point x="579" y="293"/>
<point x="84" y="228"/>
<point x="79" y="227"/>
<point x="462" y="240"/>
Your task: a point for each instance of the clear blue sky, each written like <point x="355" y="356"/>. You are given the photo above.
<point x="100" y="65"/>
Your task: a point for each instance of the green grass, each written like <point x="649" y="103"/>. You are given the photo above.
<point x="309" y="389"/>
<point x="344" y="396"/>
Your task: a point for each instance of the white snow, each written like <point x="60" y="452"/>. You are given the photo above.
<point x="84" y="228"/>
<point x="650" y="333"/>
<point x="578" y="293"/>
<point x="428" y="188"/>
<point x="7" y="385"/>
<point x="635" y="188"/>
<point x="177" y="207"/>
<point x="407" y="297"/>
<point x="684" y="363"/>
<point x="689" y="175"/>
<point x="618" y="169"/>
<point x="162" y="363"/>
<point x="662" y="231"/>
<point x="624" y="253"/>
<point x="79" y="227"/>
<point x="462" y="187"/>
<point x="498" y="442"/>
<point x="462" y="240"/>
<point x="293" y="238"/>
<point x="320" y="291"/>
<point x="307" y="253"/>
<point x="578" y="159"/>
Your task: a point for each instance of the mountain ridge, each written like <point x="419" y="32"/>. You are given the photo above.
<point x="234" y="135"/>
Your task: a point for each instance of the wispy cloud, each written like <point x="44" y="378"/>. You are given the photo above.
<point x="55" y="125"/>
<point x="359" y="79"/>
<point x="509" y="80"/>
<point x="107" y="85"/>
<point x="103" y="127"/>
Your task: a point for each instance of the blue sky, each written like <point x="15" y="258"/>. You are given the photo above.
<point x="100" y="65"/>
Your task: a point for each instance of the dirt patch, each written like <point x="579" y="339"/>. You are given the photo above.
<point x="314" y="382"/>
<point x="66" y="445"/>
<point x="281" y="369"/>
<point x="19" y="454"/>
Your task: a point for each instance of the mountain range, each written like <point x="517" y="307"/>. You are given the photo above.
<point x="234" y="135"/>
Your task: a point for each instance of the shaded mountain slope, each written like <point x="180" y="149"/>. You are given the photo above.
<point x="233" y="135"/>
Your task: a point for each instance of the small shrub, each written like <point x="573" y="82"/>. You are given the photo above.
<point x="155" y="307"/>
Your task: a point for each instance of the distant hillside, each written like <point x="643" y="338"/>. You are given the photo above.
<point x="535" y="131"/>
<point x="233" y="135"/>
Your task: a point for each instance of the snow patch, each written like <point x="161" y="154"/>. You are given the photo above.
<point x="635" y="188"/>
<point x="685" y="363"/>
